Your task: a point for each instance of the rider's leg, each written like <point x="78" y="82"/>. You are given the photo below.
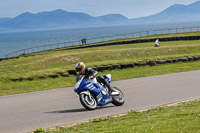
<point x="104" y="81"/>
<point x="101" y="79"/>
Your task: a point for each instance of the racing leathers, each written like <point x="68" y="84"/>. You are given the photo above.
<point x="89" y="73"/>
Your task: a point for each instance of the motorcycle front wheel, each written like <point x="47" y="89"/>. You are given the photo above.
<point x="119" y="99"/>
<point x="87" y="102"/>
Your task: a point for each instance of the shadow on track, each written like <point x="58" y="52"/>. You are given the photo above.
<point x="77" y="110"/>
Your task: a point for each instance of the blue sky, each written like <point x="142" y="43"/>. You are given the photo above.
<point x="128" y="8"/>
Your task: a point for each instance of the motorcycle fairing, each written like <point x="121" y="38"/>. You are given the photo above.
<point x="108" y="77"/>
<point x="101" y="95"/>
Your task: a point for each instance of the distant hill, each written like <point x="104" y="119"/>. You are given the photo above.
<point x="60" y="19"/>
<point x="175" y="13"/>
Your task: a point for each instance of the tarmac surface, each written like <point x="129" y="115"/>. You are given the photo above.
<point x="45" y="109"/>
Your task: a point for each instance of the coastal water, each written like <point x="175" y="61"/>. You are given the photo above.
<point x="10" y="42"/>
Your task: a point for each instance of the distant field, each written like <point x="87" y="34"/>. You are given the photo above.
<point x="60" y="61"/>
<point x="52" y="62"/>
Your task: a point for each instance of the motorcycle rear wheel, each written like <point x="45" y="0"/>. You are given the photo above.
<point x="89" y="104"/>
<point x="119" y="99"/>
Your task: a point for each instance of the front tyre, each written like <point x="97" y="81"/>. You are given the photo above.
<point x="119" y="99"/>
<point x="87" y="102"/>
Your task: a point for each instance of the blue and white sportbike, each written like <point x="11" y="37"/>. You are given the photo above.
<point x="93" y="94"/>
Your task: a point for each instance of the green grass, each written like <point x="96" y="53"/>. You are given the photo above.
<point x="9" y="87"/>
<point x="53" y="62"/>
<point x="184" y="118"/>
<point x="60" y="61"/>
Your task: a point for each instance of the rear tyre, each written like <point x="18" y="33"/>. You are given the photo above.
<point x="119" y="99"/>
<point x="89" y="104"/>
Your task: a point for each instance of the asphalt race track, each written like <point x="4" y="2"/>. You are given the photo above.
<point x="46" y="109"/>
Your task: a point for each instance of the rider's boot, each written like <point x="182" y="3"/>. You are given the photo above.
<point x="111" y="91"/>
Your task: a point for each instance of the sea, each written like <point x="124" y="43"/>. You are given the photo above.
<point x="13" y="41"/>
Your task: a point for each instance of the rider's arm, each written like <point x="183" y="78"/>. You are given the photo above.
<point x="78" y="77"/>
<point x="90" y="72"/>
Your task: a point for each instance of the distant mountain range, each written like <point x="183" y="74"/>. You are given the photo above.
<point x="60" y="19"/>
<point x="174" y="14"/>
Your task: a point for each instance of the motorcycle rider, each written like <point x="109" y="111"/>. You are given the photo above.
<point x="89" y="74"/>
<point x="157" y="43"/>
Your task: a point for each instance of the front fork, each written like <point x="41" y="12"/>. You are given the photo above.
<point x="89" y="94"/>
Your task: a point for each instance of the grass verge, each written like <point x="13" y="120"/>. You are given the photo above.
<point x="9" y="87"/>
<point x="184" y="118"/>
